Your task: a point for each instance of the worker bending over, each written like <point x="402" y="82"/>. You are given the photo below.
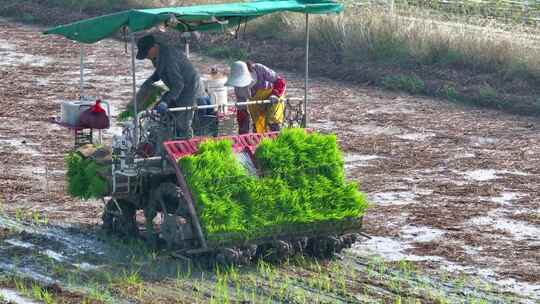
<point x="178" y="74"/>
<point x="254" y="81"/>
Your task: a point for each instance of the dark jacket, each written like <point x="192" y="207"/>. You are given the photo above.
<point x="179" y="75"/>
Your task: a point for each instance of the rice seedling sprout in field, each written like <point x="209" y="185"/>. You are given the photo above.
<point x="21" y="286"/>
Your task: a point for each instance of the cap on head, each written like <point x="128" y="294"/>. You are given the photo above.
<point x="240" y="75"/>
<point x="144" y="45"/>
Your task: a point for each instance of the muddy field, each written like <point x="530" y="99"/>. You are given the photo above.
<point x="453" y="189"/>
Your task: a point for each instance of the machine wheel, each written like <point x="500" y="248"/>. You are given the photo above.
<point x="119" y="218"/>
<point x="175" y="229"/>
<point x="324" y="247"/>
<point x="167" y="196"/>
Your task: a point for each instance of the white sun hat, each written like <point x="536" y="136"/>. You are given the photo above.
<point x="240" y="75"/>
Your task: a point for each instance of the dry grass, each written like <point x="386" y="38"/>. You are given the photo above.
<point x="370" y="33"/>
<point x="374" y="35"/>
<point x="456" y="56"/>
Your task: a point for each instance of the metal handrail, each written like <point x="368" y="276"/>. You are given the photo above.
<point x="236" y="104"/>
<point x="216" y="106"/>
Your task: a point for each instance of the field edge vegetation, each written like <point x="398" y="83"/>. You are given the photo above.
<point x="473" y="65"/>
<point x="422" y="57"/>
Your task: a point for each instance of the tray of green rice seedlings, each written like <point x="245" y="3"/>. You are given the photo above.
<point x="300" y="190"/>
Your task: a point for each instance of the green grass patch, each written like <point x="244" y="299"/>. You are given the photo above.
<point x="411" y="84"/>
<point x="490" y="97"/>
<point x="302" y="182"/>
<point x="448" y="91"/>
<point x="83" y="179"/>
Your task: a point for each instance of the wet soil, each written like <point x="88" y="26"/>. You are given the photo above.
<point x="78" y="266"/>
<point x="452" y="188"/>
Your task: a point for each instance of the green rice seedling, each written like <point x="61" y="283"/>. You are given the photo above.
<point x="326" y="283"/>
<point x="406" y="267"/>
<point x="244" y="297"/>
<point x="150" y="95"/>
<point x="237" y="288"/>
<point x="217" y="187"/>
<point x="35" y="217"/>
<point x="262" y="267"/>
<point x="183" y="275"/>
<point x="284" y="289"/>
<point x="77" y="180"/>
<point x="47" y="297"/>
<point x="221" y="289"/>
<point x="300" y="296"/>
<point x="459" y="282"/>
<point x="267" y="271"/>
<point x="96" y="293"/>
<point x="254" y="296"/>
<point x="370" y="272"/>
<point x="479" y="301"/>
<point x="37" y="292"/>
<point x="197" y="288"/>
<point x="19" y="214"/>
<point x="395" y="284"/>
<point x="365" y="292"/>
<point x="232" y="272"/>
<point x="83" y="178"/>
<point x="22" y="287"/>
<point x="131" y="278"/>
<point x="316" y="266"/>
<point x="97" y="186"/>
<point x="338" y="272"/>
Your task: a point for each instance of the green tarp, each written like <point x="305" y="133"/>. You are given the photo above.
<point x="191" y="18"/>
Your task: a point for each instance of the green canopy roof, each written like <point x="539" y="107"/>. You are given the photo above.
<point x="190" y="18"/>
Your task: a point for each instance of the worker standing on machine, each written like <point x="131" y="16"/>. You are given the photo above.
<point x="254" y="81"/>
<point x="178" y="74"/>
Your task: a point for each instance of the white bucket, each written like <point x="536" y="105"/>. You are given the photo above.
<point x="71" y="110"/>
<point x="215" y="86"/>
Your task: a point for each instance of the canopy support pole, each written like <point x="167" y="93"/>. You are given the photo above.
<point x="81" y="66"/>
<point x="306" y="84"/>
<point x="134" y="87"/>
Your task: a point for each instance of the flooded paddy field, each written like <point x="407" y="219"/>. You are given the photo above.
<point x="88" y="266"/>
<point x="454" y="217"/>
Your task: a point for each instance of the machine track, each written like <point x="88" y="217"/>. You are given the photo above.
<point x="124" y="226"/>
